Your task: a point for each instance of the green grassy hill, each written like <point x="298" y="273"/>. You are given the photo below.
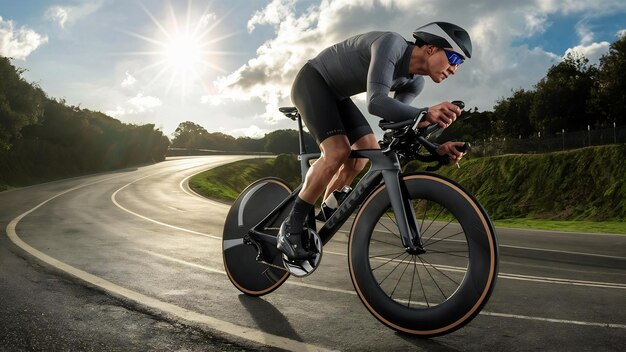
<point x="585" y="187"/>
<point x="582" y="184"/>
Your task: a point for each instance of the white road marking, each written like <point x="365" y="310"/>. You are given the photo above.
<point x="152" y="220"/>
<point x="351" y="292"/>
<point x="541" y="249"/>
<point x="113" y="196"/>
<point x="173" y="208"/>
<point x="192" y="193"/>
<point x="217" y="271"/>
<point x="552" y="280"/>
<point x="526" y="230"/>
<point x="565" y="252"/>
<point x="550" y="320"/>
<point x="246" y="333"/>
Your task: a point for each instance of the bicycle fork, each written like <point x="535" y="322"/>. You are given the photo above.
<point x="403" y="211"/>
<point x="388" y="165"/>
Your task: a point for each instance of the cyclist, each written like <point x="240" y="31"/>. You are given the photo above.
<point x="376" y="63"/>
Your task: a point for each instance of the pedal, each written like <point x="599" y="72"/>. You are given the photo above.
<point x="302" y="268"/>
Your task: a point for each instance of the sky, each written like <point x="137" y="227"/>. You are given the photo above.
<point x="228" y="65"/>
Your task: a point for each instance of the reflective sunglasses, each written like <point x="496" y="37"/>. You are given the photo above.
<point x="453" y="58"/>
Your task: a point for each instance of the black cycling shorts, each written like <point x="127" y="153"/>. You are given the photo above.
<point x="322" y="112"/>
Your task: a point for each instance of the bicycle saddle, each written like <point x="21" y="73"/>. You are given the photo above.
<point x="288" y="109"/>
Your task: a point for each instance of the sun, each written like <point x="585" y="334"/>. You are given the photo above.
<point x="182" y="49"/>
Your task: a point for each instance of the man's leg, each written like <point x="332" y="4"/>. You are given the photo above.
<point x="335" y="151"/>
<point x="351" y="167"/>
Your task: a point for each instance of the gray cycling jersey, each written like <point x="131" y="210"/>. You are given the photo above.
<point x="376" y="63"/>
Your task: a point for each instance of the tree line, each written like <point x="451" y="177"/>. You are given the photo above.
<point x="190" y="135"/>
<point x="43" y="138"/>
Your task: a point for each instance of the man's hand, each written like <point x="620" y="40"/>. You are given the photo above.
<point x="449" y="148"/>
<point x="442" y="114"/>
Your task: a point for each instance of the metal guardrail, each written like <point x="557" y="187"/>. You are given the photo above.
<point x="543" y="144"/>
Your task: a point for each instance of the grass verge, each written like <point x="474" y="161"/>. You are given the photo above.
<point x="614" y="227"/>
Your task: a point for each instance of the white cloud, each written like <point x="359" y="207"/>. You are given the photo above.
<point x="136" y="105"/>
<point x="252" y="132"/>
<point x="119" y="111"/>
<point x="20" y="42"/>
<point x="63" y="15"/>
<point x="129" y="80"/>
<point x="215" y="99"/>
<point x="274" y="13"/>
<point x="621" y="33"/>
<point x="143" y="103"/>
<point x="584" y="33"/>
<point x="602" y="7"/>
<point x="206" y="19"/>
<point x="58" y="14"/>
<point x="592" y="51"/>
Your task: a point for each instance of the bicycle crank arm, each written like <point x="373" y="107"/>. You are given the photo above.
<point x="270" y="264"/>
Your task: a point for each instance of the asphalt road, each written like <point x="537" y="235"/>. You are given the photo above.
<point x="131" y="260"/>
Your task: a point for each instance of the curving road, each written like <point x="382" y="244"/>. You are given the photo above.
<point x="140" y="236"/>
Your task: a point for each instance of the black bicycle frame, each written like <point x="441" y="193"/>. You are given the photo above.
<point x="385" y="167"/>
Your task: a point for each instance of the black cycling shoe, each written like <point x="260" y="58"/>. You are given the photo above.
<point x="291" y="244"/>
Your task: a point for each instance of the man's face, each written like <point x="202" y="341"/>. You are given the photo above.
<point x="439" y="66"/>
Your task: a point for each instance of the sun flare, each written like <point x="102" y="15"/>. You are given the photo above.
<point x="183" y="49"/>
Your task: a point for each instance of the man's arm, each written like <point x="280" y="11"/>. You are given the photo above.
<point x="386" y="52"/>
<point x="410" y="91"/>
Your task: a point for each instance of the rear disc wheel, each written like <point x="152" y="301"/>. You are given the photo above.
<point x="253" y="205"/>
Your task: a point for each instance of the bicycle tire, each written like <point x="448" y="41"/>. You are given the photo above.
<point x="253" y="205"/>
<point x="370" y="250"/>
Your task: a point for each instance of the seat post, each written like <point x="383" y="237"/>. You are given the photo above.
<point x="292" y="113"/>
<point x="301" y="134"/>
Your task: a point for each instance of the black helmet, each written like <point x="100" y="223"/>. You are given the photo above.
<point x="445" y="35"/>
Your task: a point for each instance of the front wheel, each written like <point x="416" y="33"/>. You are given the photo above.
<point x="436" y="292"/>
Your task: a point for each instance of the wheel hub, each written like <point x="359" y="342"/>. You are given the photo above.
<point x="416" y="251"/>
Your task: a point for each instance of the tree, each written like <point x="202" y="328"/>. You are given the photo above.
<point x="511" y="115"/>
<point x="21" y="104"/>
<point x="560" y="100"/>
<point x="282" y="142"/>
<point x="248" y="144"/>
<point x="189" y="135"/>
<point x="219" y="141"/>
<point x="475" y="128"/>
<point x="609" y="95"/>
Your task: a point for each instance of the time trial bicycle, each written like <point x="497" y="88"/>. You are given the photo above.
<point x="422" y="251"/>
